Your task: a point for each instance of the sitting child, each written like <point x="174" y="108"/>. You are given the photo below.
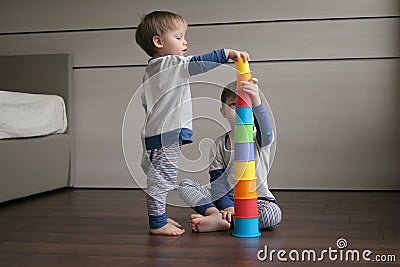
<point x="215" y="207"/>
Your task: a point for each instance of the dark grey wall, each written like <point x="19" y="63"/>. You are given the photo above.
<point x="329" y="70"/>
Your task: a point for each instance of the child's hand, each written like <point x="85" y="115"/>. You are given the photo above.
<point x="251" y="87"/>
<point x="227" y="214"/>
<point x="235" y="55"/>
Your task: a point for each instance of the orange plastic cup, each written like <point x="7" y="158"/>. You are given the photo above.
<point x="242" y="77"/>
<point x="245" y="189"/>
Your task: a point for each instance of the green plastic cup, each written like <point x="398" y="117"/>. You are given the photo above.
<point x="244" y="133"/>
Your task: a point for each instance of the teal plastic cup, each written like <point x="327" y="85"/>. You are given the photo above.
<point x="244" y="115"/>
<point x="245" y="227"/>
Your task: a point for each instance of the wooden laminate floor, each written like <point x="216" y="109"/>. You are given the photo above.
<point x="82" y="227"/>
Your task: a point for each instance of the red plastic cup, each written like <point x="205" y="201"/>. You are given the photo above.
<point x="243" y="99"/>
<point x="245" y="208"/>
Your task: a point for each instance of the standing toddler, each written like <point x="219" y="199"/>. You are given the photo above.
<point x="167" y="102"/>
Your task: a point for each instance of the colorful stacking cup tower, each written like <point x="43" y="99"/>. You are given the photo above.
<point x="245" y="194"/>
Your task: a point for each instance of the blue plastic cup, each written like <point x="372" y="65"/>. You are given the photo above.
<point x="244" y="151"/>
<point x="245" y="227"/>
<point x="244" y="115"/>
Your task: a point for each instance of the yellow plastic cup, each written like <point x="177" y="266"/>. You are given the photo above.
<point x="242" y="67"/>
<point x="244" y="170"/>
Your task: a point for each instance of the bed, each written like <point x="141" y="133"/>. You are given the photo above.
<point x="37" y="164"/>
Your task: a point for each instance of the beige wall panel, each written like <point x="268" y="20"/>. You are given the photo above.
<point x="327" y="39"/>
<point x="337" y="124"/>
<point x="101" y="98"/>
<point x="26" y="15"/>
<point x="87" y="48"/>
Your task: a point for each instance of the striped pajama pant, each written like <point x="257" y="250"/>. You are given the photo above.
<point x="192" y="192"/>
<point x="161" y="177"/>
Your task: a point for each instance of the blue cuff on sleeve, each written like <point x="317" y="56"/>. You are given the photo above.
<point x="157" y="221"/>
<point x="202" y="205"/>
<point x="224" y="202"/>
<point x="215" y="174"/>
<point x="220" y="189"/>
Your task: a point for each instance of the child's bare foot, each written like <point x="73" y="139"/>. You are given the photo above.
<point x="168" y="229"/>
<point x="173" y="222"/>
<point x="209" y="223"/>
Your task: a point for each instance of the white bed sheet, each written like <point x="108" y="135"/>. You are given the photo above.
<point x="28" y="115"/>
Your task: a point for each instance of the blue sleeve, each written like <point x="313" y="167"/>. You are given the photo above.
<point x="203" y="63"/>
<point x="203" y="205"/>
<point x="220" y="190"/>
<point x="265" y="134"/>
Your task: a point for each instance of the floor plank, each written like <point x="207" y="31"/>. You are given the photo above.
<point x="83" y="227"/>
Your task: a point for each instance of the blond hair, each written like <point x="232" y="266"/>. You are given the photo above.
<point x="156" y="23"/>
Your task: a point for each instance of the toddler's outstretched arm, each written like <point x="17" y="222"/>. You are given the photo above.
<point x="235" y="55"/>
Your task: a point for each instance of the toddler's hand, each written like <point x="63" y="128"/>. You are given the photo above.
<point x="251" y="87"/>
<point x="227" y="214"/>
<point x="235" y="55"/>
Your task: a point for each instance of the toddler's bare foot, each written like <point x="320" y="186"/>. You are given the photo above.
<point x="168" y="229"/>
<point x="209" y="223"/>
<point x="173" y="222"/>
